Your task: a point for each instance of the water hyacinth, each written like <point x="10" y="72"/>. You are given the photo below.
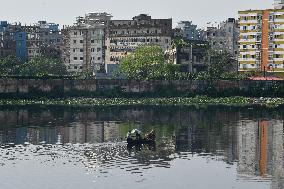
<point x="198" y="100"/>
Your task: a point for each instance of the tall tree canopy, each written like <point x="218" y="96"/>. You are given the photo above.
<point x="9" y="66"/>
<point x="146" y="62"/>
<point x="42" y="66"/>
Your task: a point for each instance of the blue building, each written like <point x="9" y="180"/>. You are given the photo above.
<point x="13" y="41"/>
<point x="3" y="26"/>
<point x="21" y="45"/>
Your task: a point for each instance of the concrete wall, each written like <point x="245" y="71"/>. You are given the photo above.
<point x="62" y="87"/>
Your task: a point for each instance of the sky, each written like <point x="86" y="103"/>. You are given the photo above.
<point x="64" y="12"/>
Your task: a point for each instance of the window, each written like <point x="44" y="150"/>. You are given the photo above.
<point x="81" y="50"/>
<point x="99" y="58"/>
<point x="81" y="67"/>
<point x="252" y="56"/>
<point x="74" y="50"/>
<point x="92" y="50"/>
<point x="244" y="56"/>
<point x="75" y="33"/>
<point x="244" y="46"/>
<point x="81" y="41"/>
<point x="74" y="41"/>
<point x="99" y="49"/>
<point x="81" y="58"/>
<point x="277" y="56"/>
<point x="75" y="67"/>
<point x="92" y="41"/>
<point x="75" y="58"/>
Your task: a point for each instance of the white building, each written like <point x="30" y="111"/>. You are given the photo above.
<point x="278" y="4"/>
<point x="86" y="41"/>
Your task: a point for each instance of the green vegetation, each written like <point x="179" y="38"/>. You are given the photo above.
<point x="41" y="66"/>
<point x="9" y="66"/>
<point x="147" y="63"/>
<point x="198" y="100"/>
<point x="38" y="66"/>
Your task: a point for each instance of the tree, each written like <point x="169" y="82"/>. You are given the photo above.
<point x="42" y="66"/>
<point x="221" y="64"/>
<point x="9" y="66"/>
<point x="146" y="62"/>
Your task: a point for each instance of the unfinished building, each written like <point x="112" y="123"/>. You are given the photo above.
<point x="190" y="57"/>
<point x="224" y="37"/>
<point x="189" y="31"/>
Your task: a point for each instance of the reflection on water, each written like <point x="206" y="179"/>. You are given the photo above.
<point x="246" y="144"/>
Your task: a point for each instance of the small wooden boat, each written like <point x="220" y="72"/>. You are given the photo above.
<point x="134" y="137"/>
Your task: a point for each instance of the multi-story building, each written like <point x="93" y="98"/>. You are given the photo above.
<point x="191" y="57"/>
<point x="261" y="41"/>
<point x="189" y="31"/>
<point x="7" y="44"/>
<point x="124" y="36"/>
<point x="224" y="37"/>
<point x="278" y="4"/>
<point x="43" y="39"/>
<point x="12" y="40"/>
<point x="86" y="42"/>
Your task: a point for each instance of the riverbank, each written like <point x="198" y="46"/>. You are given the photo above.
<point x="103" y="102"/>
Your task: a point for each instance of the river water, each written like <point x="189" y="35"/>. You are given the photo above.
<point x="199" y="148"/>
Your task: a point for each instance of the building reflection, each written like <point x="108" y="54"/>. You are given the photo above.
<point x="243" y="138"/>
<point x="260" y="145"/>
<point x="78" y="132"/>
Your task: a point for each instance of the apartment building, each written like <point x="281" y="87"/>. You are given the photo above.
<point x="12" y="40"/>
<point x="86" y="42"/>
<point x="124" y="36"/>
<point x="43" y="39"/>
<point x="261" y="41"/>
<point x="7" y="44"/>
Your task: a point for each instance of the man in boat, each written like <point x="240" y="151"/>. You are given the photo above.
<point x="134" y="135"/>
